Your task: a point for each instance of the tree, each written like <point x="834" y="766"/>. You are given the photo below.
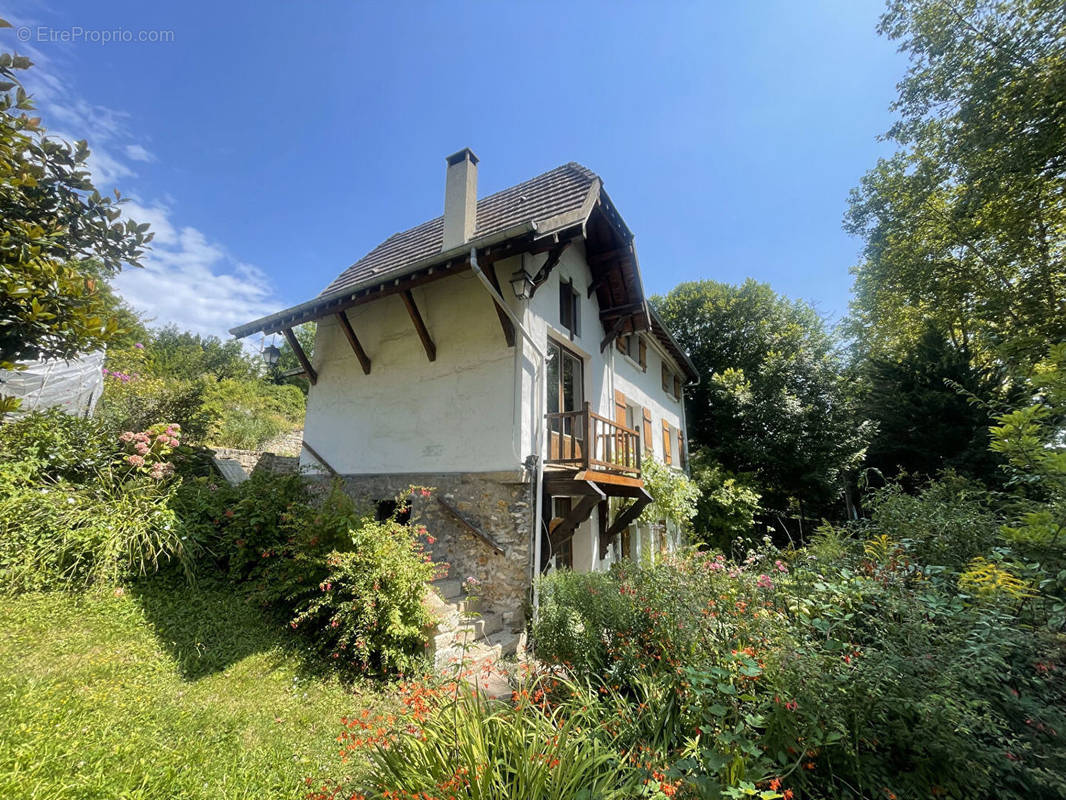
<point x="60" y="240"/>
<point x="932" y="407"/>
<point x="965" y="227"/>
<point x="185" y="355"/>
<point x="774" y="400"/>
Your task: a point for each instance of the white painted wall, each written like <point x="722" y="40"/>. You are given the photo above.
<point x="455" y="414"/>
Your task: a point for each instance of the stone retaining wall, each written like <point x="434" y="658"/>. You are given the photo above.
<point x="497" y="504"/>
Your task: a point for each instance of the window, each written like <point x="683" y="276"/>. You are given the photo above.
<point x="566" y="393"/>
<point x="671" y="382"/>
<point x="634" y="346"/>
<point x="569" y="308"/>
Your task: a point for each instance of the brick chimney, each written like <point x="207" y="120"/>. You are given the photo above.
<point x="460" y="199"/>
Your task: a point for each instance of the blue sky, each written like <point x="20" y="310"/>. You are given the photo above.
<point x="272" y="144"/>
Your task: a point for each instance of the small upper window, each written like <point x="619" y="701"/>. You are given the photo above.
<point x="671" y="382"/>
<point x="569" y="308"/>
<point x="632" y="345"/>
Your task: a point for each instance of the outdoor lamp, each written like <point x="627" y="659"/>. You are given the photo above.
<point x="522" y="284"/>
<point x="271" y="354"/>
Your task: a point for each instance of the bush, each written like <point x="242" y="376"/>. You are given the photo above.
<point x="60" y="445"/>
<point x="65" y="535"/>
<point x="137" y="403"/>
<point x="247" y="413"/>
<point x="448" y="741"/>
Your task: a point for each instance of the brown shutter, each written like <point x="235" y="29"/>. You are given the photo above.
<point x="648" y="444"/>
<point x="643" y="351"/>
<point x="677" y="387"/>
<point x="619" y="408"/>
<point x="666" y="378"/>
<point x="682" y="457"/>
<point x="620" y="344"/>
<point x="666" y="443"/>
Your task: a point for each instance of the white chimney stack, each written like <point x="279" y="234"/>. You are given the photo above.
<point x="460" y="199"/>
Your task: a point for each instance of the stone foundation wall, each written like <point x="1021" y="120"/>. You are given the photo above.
<point x="497" y="504"/>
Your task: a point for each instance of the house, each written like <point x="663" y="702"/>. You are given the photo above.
<point x="505" y="355"/>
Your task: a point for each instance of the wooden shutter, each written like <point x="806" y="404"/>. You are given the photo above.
<point x="677" y="387"/>
<point x="682" y="456"/>
<point x="666" y="443"/>
<point x="648" y="444"/>
<point x="620" y="344"/>
<point x="666" y="378"/>
<point x="642" y="348"/>
<point x="619" y="407"/>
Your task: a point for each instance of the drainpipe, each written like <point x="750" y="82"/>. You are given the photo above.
<point x="538" y="426"/>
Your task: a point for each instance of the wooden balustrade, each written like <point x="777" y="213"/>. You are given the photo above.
<point x="585" y="440"/>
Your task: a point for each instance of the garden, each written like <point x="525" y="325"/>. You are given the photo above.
<point x="871" y="603"/>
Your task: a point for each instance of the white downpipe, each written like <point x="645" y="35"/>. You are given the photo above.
<point x="538" y="426"/>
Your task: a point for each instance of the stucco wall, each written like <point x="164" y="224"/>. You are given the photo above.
<point x="409" y="414"/>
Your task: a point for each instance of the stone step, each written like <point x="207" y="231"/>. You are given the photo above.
<point x="471" y="628"/>
<point x="448" y="588"/>
<point x="506" y="641"/>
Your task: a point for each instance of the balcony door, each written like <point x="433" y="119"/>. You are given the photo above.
<point x="566" y="404"/>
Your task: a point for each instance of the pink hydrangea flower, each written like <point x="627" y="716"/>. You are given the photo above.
<point x="136" y="461"/>
<point x="764" y="582"/>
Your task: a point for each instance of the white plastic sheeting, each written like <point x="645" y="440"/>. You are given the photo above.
<point x="73" y="385"/>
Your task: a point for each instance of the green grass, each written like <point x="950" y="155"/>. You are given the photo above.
<point x="163" y="691"/>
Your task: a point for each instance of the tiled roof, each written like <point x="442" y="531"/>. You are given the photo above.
<point x="561" y="191"/>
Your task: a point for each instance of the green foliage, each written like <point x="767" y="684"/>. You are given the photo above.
<point x="59" y="238"/>
<point x="964" y="225"/>
<point x="773" y="401"/>
<point x="674" y="494"/>
<point x="140" y="402"/>
<point x="58" y="445"/>
<point x="469" y="747"/>
<point x="189" y="356"/>
<point x="248" y="413"/>
<point x="932" y="407"/>
<point x="725" y="511"/>
<point x="63" y="535"/>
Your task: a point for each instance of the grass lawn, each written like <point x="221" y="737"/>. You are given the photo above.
<point x="163" y="691"/>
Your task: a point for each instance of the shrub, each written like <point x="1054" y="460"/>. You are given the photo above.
<point x="249" y="412"/>
<point x="64" y="535"/>
<point x="449" y="741"/>
<point x="140" y="402"/>
<point x="61" y="445"/>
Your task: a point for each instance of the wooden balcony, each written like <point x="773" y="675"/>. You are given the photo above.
<point x="584" y="440"/>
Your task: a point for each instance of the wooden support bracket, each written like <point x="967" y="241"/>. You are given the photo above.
<point x="420" y="326"/>
<point x="551" y="263"/>
<point x="612" y="334"/>
<point x="353" y="340"/>
<point x="505" y="321"/>
<point x="629" y="515"/>
<point x="591" y="496"/>
<point x="320" y="460"/>
<point x="301" y="356"/>
<point x="470" y="526"/>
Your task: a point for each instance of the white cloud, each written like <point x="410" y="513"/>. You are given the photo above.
<point x="187" y="279"/>
<point x="138" y="152"/>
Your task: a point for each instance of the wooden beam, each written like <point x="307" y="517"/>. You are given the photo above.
<point x="301" y="356"/>
<point x="420" y="326"/>
<point x="596" y="284"/>
<point x="505" y="321"/>
<point x="612" y="334"/>
<point x="568" y="487"/>
<point x="546" y="268"/>
<point x="608" y="255"/>
<point x="621" y="311"/>
<point x="353" y="340"/>
<point x="470" y="526"/>
<point x="623" y="520"/>
<point x="564" y="531"/>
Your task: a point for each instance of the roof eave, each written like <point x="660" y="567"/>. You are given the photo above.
<point x="271" y="322"/>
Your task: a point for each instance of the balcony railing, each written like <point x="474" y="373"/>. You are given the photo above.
<point x="585" y="440"/>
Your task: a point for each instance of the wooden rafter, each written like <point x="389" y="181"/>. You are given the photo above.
<point x="353" y="340"/>
<point x="610" y="255"/>
<point x="420" y="326"/>
<point x="612" y="334"/>
<point x="564" y="531"/>
<point x="301" y="356"/>
<point x="505" y="321"/>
